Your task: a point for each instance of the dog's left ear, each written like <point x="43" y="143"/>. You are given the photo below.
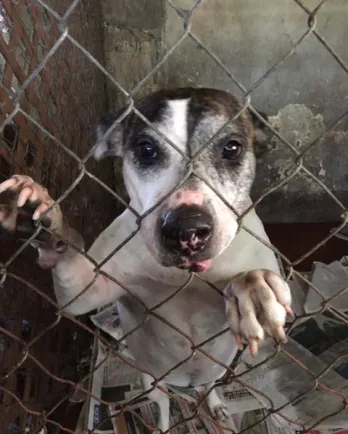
<point x="110" y="146"/>
<point x="261" y="137"/>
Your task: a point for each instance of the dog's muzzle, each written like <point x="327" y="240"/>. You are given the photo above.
<point x="186" y="231"/>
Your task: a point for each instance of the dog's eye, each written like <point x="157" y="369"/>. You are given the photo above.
<point x="147" y="150"/>
<point x="232" y="150"/>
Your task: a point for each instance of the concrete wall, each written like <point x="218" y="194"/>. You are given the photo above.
<point x="303" y="96"/>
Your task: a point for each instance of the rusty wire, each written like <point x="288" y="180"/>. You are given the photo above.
<point x="81" y="162"/>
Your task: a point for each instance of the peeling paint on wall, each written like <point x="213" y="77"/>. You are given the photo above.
<point x="300" y="127"/>
<point x="303" y="198"/>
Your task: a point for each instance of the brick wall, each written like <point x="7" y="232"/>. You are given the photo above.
<point x="65" y="99"/>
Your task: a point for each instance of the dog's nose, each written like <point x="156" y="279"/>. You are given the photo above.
<point x="186" y="229"/>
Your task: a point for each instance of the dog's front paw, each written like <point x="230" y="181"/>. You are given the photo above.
<point x="22" y="203"/>
<point x="256" y="305"/>
<point x="217" y="408"/>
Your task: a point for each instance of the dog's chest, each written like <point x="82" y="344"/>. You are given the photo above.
<point x="197" y="310"/>
<point x="176" y="330"/>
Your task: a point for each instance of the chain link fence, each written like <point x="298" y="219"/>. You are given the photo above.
<point x="49" y="51"/>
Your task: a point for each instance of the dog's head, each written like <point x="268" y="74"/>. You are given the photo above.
<point x="193" y="222"/>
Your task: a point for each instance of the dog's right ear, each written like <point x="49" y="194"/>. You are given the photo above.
<point x="111" y="145"/>
<point x="262" y="137"/>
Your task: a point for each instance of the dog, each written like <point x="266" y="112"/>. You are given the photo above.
<point x="185" y="200"/>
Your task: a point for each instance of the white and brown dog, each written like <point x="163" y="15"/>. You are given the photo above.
<point x="192" y="228"/>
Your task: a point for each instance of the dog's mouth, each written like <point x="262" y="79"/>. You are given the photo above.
<point x="196" y="266"/>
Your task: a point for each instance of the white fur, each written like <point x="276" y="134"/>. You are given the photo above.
<point x="176" y="126"/>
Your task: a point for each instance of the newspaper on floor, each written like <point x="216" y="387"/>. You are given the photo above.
<point x="283" y="381"/>
<point x="273" y="427"/>
<point x="330" y="280"/>
<point x="321" y="342"/>
<point x="299" y="293"/>
<point x="249" y="422"/>
<point x="323" y="331"/>
<point x="108" y="320"/>
<point x="115" y="383"/>
<point x="143" y="420"/>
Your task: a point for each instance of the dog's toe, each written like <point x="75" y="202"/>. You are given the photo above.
<point x="219" y="412"/>
<point x="217" y="408"/>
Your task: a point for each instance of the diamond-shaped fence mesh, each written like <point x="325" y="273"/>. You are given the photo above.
<point x="53" y="89"/>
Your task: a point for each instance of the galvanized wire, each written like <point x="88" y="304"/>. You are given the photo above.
<point x="81" y="163"/>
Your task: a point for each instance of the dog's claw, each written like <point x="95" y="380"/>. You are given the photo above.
<point x="290" y="312"/>
<point x="239" y="342"/>
<point x="6" y="185"/>
<point x="41" y="209"/>
<point x="24" y="195"/>
<point x="280" y="335"/>
<point x="28" y="200"/>
<point x="253" y="344"/>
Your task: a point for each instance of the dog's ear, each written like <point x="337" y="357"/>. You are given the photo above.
<point x="261" y="132"/>
<point x="111" y="145"/>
